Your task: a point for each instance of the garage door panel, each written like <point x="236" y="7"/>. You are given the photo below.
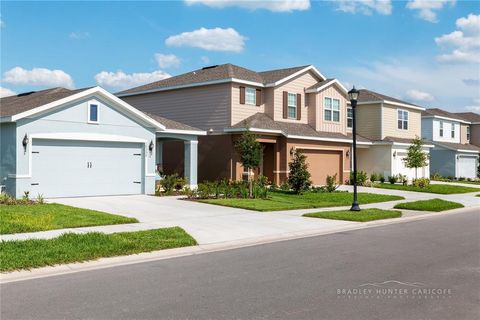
<point x="467" y="167"/>
<point x="322" y="163"/>
<point x="78" y="168"/>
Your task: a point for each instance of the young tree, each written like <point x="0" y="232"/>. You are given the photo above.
<point x="416" y="157"/>
<point x="251" y="152"/>
<point x="299" y="177"/>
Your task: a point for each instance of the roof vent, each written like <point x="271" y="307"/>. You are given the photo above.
<point x="25" y="93"/>
<point x="210" y="67"/>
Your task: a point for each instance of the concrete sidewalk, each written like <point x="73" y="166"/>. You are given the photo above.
<point x="211" y="224"/>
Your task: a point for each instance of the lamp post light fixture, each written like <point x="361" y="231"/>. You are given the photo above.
<point x="25" y="142"/>
<point x="150" y="146"/>
<point x="353" y="97"/>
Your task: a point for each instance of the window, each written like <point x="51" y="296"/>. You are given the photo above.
<point x="250" y="96"/>
<point x="468" y="133"/>
<point x="349" y="118"/>
<point x="402" y="119"/>
<point x="331" y="110"/>
<point x="452" y="131"/>
<point x="292" y="106"/>
<point x="93" y="113"/>
<point x="441" y="128"/>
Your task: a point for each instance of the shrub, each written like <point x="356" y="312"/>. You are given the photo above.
<point x="436" y="176"/>
<point x="180" y="183"/>
<point x="40" y="199"/>
<point x="320" y="189"/>
<point x="285" y="186"/>
<point x="361" y="178"/>
<point x="331" y="183"/>
<point x="299" y="177"/>
<point x="421" y="182"/>
<point x="382" y="179"/>
<point x="461" y="179"/>
<point x="5" y="198"/>
<point x="403" y="179"/>
<point x="374" y="177"/>
<point x="392" y="179"/>
<point x="168" y="182"/>
<point x="243" y="191"/>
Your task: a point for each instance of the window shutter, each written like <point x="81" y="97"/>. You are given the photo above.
<point x="258" y="98"/>
<point x="242" y="95"/>
<point x="299" y="106"/>
<point x="285" y="104"/>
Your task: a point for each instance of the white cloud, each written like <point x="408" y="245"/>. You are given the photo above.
<point x="418" y="95"/>
<point x="4" y="92"/>
<point x="121" y="80"/>
<point x="216" y="39"/>
<point x="205" y="59"/>
<point x="275" y="5"/>
<point x="79" y="35"/>
<point x="427" y="8"/>
<point x="167" y="60"/>
<point x="463" y="44"/>
<point x="368" y="7"/>
<point x="38" y="77"/>
<point x="475" y="107"/>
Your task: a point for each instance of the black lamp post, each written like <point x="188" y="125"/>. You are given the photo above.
<point x="353" y="96"/>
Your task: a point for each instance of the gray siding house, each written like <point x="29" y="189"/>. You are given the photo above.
<point x="87" y="142"/>
<point x="454" y="155"/>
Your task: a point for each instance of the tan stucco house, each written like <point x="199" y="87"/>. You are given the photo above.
<point x="292" y="108"/>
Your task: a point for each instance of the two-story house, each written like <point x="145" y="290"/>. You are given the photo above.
<point x="453" y="155"/>
<point x="289" y="109"/>
<point x="471" y="132"/>
<point x="391" y="125"/>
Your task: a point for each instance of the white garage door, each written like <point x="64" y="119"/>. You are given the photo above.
<point x="467" y="167"/>
<point x="409" y="172"/>
<point x="62" y="168"/>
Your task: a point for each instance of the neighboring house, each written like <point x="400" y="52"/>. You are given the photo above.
<point x="471" y="132"/>
<point x="293" y="108"/>
<point x="453" y="155"/>
<point x="391" y="125"/>
<point x="86" y="142"/>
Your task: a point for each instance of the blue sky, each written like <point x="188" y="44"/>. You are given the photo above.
<point x="426" y="52"/>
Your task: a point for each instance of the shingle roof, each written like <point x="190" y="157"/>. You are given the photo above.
<point x="263" y="121"/>
<point x="441" y="113"/>
<point x="469" y="116"/>
<point x="171" y="124"/>
<point x="13" y="105"/>
<point x="216" y="73"/>
<point x="368" y="95"/>
<point x="458" y="146"/>
<point x="321" y="83"/>
<point x="396" y="139"/>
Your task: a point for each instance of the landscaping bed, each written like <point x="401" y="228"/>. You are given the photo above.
<point x="435" y="205"/>
<point x="278" y="200"/>
<point x="68" y="248"/>
<point x="360" y="216"/>
<point x="20" y="218"/>
<point x="432" y="188"/>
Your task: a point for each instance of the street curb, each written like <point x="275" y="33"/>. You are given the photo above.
<point x="110" y="262"/>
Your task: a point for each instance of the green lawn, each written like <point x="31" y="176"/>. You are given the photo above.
<point x="288" y="201"/>
<point x="433" y="188"/>
<point x="459" y="181"/>
<point x="41" y="217"/>
<point x="436" y="205"/>
<point x="27" y="254"/>
<point x="361" y="216"/>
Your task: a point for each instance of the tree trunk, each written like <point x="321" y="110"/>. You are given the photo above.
<point x="250" y="183"/>
<point x="416" y="175"/>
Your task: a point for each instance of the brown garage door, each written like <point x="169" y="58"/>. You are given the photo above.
<point x="322" y="163"/>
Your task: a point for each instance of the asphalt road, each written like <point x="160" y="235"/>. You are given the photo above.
<point x="432" y="268"/>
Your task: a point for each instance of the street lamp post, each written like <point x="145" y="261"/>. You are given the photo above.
<point x="353" y="96"/>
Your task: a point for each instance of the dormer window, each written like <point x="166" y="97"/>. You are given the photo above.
<point x="92" y="113"/>
<point x="331" y="110"/>
<point x="402" y="119"/>
<point x="292" y="106"/>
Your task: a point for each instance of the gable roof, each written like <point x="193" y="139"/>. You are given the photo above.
<point x="457" y="146"/>
<point x="19" y="103"/>
<point x="221" y="74"/>
<point x="173" y="125"/>
<point x="469" y="116"/>
<point x="260" y="122"/>
<point x="325" y="83"/>
<point x="436" y="112"/>
<point x="367" y="96"/>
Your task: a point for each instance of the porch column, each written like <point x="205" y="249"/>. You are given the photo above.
<point x="191" y="162"/>
<point x="159" y="154"/>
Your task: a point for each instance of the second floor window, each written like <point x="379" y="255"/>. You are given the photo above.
<point x="93" y="113"/>
<point x="452" y="131"/>
<point x="441" y="128"/>
<point x="402" y="119"/>
<point x="331" y="110"/>
<point x="349" y="118"/>
<point x="250" y="96"/>
<point x="468" y="133"/>
<point x="292" y="106"/>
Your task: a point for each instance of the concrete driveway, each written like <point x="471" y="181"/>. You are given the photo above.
<point x="208" y="224"/>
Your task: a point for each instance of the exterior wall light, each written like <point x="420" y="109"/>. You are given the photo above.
<point x="394" y="154"/>
<point x="150" y="146"/>
<point x="25" y="142"/>
<point x="348" y="153"/>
